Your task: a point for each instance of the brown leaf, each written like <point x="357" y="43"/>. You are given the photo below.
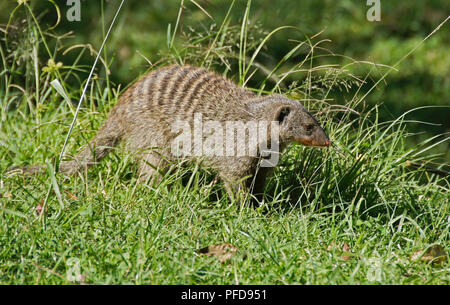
<point x="347" y="252"/>
<point x="71" y="196"/>
<point x="434" y="254"/>
<point x="346" y="249"/>
<point x="39" y="207"/>
<point x="223" y="252"/>
<point x="331" y="246"/>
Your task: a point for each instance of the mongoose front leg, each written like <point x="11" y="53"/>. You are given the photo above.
<point x="258" y="183"/>
<point x="237" y="176"/>
<point x="237" y="190"/>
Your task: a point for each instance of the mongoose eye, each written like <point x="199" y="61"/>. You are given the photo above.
<point x="309" y="127"/>
<point x="283" y="115"/>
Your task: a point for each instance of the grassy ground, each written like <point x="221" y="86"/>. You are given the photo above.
<point x="351" y="214"/>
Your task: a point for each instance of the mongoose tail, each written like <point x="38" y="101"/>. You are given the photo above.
<point x="104" y="141"/>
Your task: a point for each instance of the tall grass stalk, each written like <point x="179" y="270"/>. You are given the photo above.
<point x="360" y="192"/>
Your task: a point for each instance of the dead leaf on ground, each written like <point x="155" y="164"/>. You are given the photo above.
<point x="331" y="246"/>
<point x="434" y="254"/>
<point x="347" y="252"/>
<point x="223" y="252"/>
<point x="71" y="196"/>
<point x="39" y="207"/>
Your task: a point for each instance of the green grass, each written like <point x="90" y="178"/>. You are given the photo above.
<point x="359" y="192"/>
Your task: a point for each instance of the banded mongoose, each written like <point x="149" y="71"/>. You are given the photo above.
<point x="145" y="114"/>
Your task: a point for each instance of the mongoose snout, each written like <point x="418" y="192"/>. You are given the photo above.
<point x="144" y="116"/>
<point x="299" y="126"/>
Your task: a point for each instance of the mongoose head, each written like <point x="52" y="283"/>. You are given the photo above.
<point x="295" y="122"/>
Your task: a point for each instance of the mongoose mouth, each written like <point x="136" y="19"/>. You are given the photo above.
<point x="308" y="142"/>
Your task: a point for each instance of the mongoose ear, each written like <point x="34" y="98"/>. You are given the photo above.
<point x="282" y="114"/>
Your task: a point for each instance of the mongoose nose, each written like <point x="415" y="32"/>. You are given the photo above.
<point x="327" y="143"/>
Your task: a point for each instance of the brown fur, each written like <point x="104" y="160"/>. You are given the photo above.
<point x="144" y="114"/>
